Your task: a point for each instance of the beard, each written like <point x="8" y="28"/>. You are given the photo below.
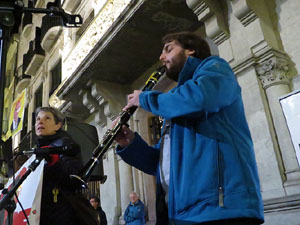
<point x="176" y="65"/>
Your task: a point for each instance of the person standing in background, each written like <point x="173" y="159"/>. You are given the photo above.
<point x="135" y="211"/>
<point x="95" y="202"/>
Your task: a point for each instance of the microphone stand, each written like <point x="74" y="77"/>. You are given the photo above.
<point x="7" y="202"/>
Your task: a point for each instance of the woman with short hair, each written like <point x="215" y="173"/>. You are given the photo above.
<point x="58" y="187"/>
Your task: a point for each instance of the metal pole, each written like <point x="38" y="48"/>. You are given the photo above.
<point x="4" y="39"/>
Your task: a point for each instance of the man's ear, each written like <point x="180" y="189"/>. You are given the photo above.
<point x="191" y="52"/>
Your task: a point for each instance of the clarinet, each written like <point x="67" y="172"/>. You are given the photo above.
<point x="110" y="135"/>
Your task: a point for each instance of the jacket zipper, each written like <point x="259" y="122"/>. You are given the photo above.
<point x="220" y="179"/>
<point x="170" y="212"/>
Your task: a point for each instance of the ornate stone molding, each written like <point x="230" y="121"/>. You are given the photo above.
<point x="109" y="111"/>
<point x="243" y="65"/>
<point x="70" y="5"/>
<point x="51" y="37"/>
<point x="261" y="49"/>
<point x="94" y="106"/>
<point x="198" y="6"/>
<point x="106" y="96"/>
<point x="22" y="84"/>
<point x="101" y="24"/>
<point x="43" y="78"/>
<point x="212" y="15"/>
<point x="273" y="71"/>
<point x="242" y="11"/>
<point x="54" y="101"/>
<point x="282" y="204"/>
<point x="214" y="31"/>
<point x="100" y="118"/>
<point x="65" y="106"/>
<point x="89" y="102"/>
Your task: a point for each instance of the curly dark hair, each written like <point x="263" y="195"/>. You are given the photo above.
<point x="191" y="41"/>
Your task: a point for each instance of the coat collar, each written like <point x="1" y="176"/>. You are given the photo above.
<point x="136" y="203"/>
<point x="188" y="69"/>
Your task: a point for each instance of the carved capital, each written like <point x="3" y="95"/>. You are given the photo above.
<point x="242" y="12"/>
<point x="273" y="71"/>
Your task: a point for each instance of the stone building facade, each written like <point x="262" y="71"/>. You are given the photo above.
<point x="116" y="49"/>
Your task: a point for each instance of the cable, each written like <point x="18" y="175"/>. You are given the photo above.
<point x="22" y="209"/>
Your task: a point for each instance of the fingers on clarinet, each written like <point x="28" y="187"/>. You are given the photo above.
<point x="115" y="121"/>
<point x="125" y="127"/>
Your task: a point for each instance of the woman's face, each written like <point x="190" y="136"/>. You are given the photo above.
<point x="45" y="124"/>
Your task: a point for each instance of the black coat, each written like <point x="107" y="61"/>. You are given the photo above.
<point x="57" y="176"/>
<point x="102" y="215"/>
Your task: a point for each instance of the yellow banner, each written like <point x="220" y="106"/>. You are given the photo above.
<point x="15" y="123"/>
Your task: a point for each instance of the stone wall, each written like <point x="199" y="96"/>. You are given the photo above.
<point x="259" y="40"/>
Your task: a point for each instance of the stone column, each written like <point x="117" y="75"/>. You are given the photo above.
<point x="105" y="101"/>
<point x="273" y="73"/>
<point x="110" y="190"/>
<point x="144" y="182"/>
<point x="126" y="186"/>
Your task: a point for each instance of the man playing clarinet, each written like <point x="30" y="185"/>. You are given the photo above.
<point x="204" y="164"/>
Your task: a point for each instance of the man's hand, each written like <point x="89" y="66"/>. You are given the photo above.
<point x="133" y="100"/>
<point x="125" y="136"/>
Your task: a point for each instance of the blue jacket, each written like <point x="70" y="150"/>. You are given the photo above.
<point x="213" y="173"/>
<point x="135" y="214"/>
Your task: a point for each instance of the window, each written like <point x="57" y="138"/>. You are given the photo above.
<point x="55" y="77"/>
<point x="25" y="123"/>
<point x="38" y="97"/>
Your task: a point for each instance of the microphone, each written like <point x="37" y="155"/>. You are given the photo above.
<point x="65" y="150"/>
